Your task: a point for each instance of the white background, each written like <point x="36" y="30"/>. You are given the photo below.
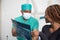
<point x="11" y="9"/>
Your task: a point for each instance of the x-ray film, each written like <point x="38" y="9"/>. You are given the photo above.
<point x="22" y="29"/>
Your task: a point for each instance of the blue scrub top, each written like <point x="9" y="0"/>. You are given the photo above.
<point x="31" y="21"/>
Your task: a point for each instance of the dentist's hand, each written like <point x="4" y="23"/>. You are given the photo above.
<point x="14" y="32"/>
<point x="35" y="34"/>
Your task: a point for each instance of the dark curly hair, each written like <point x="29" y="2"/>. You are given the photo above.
<point x="53" y="12"/>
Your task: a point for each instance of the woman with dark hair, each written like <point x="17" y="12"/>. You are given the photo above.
<point x="52" y="15"/>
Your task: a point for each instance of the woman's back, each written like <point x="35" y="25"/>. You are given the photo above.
<point x="51" y="36"/>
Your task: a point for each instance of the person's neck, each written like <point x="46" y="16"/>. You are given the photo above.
<point x="55" y="26"/>
<point x="25" y="19"/>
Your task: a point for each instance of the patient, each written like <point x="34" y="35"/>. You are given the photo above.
<point x="52" y="15"/>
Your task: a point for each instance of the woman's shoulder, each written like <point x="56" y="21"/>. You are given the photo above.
<point x="46" y="26"/>
<point x="56" y="35"/>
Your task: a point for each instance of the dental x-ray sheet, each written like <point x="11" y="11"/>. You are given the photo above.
<point x="22" y="29"/>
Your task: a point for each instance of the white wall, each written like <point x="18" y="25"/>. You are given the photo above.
<point x="51" y="2"/>
<point x="11" y="9"/>
<point x="0" y="19"/>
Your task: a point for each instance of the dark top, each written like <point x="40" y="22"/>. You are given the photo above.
<point x="43" y="36"/>
<point x="51" y="36"/>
